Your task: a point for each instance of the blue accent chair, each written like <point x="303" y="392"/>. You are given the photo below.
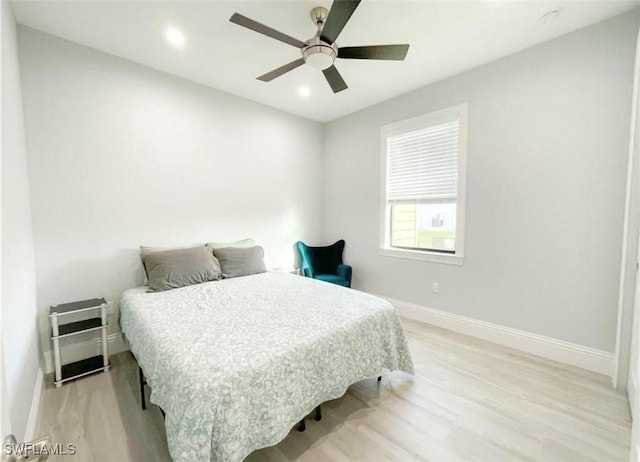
<point x="325" y="263"/>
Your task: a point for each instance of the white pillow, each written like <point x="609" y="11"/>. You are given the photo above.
<point x="242" y="244"/>
<point x="146" y="250"/>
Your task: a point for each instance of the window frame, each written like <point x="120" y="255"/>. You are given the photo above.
<point x="409" y="125"/>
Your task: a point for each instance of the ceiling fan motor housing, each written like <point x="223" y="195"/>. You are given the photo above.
<point x="318" y="54"/>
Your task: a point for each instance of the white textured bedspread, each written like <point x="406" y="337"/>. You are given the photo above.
<point x="236" y="363"/>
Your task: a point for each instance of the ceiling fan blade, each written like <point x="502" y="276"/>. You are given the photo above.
<point x="394" y="52"/>
<point x="341" y="11"/>
<point x="265" y="30"/>
<point x="335" y="79"/>
<point x="269" y="76"/>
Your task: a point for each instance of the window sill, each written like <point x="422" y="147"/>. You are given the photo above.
<point x="434" y="257"/>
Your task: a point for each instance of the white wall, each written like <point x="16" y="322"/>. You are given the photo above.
<point x="633" y="383"/>
<point x="19" y="332"/>
<point x="548" y="142"/>
<point x="627" y="287"/>
<point x="122" y="155"/>
<point x="627" y="290"/>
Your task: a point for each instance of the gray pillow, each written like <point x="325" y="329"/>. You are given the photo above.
<point x="236" y="261"/>
<point x="180" y="267"/>
<point x="146" y="250"/>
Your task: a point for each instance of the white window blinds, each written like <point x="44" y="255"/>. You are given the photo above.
<point x="422" y="165"/>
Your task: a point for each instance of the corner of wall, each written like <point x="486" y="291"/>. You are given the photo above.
<point x="21" y="355"/>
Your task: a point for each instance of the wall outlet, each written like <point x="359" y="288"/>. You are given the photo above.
<point x="435" y="287"/>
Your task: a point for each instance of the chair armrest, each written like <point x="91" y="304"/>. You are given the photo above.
<point x="344" y="271"/>
<point x="305" y="260"/>
<point x="307" y="271"/>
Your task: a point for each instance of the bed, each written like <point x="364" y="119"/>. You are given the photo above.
<point x="236" y="363"/>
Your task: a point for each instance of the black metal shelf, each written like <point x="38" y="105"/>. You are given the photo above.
<point x="83" y="367"/>
<point x="78" y="327"/>
<point x="67" y="308"/>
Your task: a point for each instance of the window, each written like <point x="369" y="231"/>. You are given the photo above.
<point x="423" y="180"/>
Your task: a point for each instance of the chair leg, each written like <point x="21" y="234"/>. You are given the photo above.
<point x="143" y="402"/>
<point x="301" y="426"/>
<point x="379" y="378"/>
<point x="318" y="416"/>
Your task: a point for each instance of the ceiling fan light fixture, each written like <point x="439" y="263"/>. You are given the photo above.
<point x="319" y="57"/>
<point x="318" y="54"/>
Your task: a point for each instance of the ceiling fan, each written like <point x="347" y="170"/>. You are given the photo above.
<point x="321" y="50"/>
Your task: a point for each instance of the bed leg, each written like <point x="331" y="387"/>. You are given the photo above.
<point x="301" y="426"/>
<point x="143" y="402"/>
<point x="379" y="378"/>
<point x="318" y="416"/>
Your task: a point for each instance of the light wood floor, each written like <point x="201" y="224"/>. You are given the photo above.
<point x="469" y="401"/>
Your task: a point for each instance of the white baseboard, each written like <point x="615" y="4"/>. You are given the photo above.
<point x="77" y="351"/>
<point x="34" y="412"/>
<point x="558" y="350"/>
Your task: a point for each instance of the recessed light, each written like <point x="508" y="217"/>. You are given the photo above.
<point x="549" y="16"/>
<point x="174" y="36"/>
<point x="304" y="91"/>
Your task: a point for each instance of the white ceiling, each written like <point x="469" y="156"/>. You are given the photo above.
<point x="446" y="37"/>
